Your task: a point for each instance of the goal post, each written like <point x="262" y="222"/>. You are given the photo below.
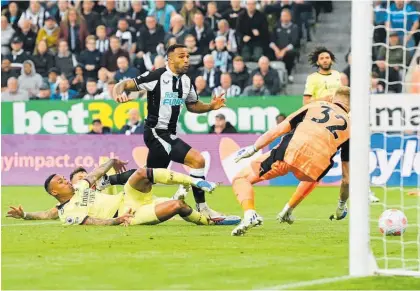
<point x="384" y="128"/>
<point x="361" y="46"/>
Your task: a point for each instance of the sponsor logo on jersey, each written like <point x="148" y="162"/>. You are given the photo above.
<point x="171" y="99"/>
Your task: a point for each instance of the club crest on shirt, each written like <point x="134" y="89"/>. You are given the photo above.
<point x="69" y="220"/>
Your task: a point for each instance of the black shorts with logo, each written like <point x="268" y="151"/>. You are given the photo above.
<point x="164" y="147"/>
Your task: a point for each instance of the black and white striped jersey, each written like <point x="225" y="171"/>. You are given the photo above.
<point x="166" y="93"/>
<point x="232" y="91"/>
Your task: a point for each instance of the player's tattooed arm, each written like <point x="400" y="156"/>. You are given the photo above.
<point x="42" y="215"/>
<point x="118" y="93"/>
<point x="98" y="221"/>
<point x="18" y="213"/>
<point x="97" y="173"/>
<point x="124" y="219"/>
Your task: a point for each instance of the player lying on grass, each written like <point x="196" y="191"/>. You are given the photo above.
<point x="101" y="185"/>
<point x="80" y="204"/>
<point x="314" y="134"/>
<point x="75" y="176"/>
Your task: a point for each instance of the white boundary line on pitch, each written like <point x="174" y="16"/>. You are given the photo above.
<point x="57" y="222"/>
<point x="309" y="283"/>
<point x="33" y="223"/>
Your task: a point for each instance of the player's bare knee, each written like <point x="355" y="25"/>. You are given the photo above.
<point x="142" y="182"/>
<point x="140" y="174"/>
<point x="199" y="162"/>
<point x="236" y="179"/>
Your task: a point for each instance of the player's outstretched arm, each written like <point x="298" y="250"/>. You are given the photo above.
<point x="264" y="140"/>
<point x="268" y="137"/>
<point x="97" y="173"/>
<point x="118" y="93"/>
<point x="217" y="102"/>
<point x="18" y="213"/>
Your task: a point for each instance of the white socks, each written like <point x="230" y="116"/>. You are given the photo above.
<point x="341" y="204"/>
<point x="202" y="205"/>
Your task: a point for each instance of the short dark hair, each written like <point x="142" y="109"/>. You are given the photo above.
<point x="123" y="19"/>
<point x="313" y="56"/>
<point x="281" y="115"/>
<point x="124" y="57"/>
<point x="91" y="80"/>
<point x="77" y="171"/>
<point x="221" y="116"/>
<point x="173" y="47"/>
<point x="96" y="121"/>
<point x="258" y="74"/>
<point x="47" y="182"/>
<point x="188" y="36"/>
<point x="114" y="37"/>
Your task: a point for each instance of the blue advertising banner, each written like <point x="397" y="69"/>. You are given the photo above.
<point x="393" y="161"/>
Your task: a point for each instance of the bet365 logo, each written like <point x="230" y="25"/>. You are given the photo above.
<point x="52" y="121"/>
<point x="69" y="117"/>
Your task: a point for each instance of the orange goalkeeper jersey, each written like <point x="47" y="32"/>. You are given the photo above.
<point x="320" y="129"/>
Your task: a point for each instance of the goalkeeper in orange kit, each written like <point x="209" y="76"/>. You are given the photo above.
<point x="312" y="136"/>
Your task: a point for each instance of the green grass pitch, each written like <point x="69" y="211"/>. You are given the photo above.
<point x="176" y="255"/>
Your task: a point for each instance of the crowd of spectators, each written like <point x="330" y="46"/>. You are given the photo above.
<point x="395" y="51"/>
<point x="62" y="50"/>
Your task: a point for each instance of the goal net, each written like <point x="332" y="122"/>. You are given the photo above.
<point x="386" y="119"/>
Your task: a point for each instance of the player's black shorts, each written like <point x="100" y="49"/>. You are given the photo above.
<point x="164" y="148"/>
<point x="276" y="154"/>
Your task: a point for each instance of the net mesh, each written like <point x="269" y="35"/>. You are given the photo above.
<point x="395" y="141"/>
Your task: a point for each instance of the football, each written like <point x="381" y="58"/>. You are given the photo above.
<point x="392" y="222"/>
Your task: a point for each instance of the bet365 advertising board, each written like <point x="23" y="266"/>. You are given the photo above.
<point x="248" y="115"/>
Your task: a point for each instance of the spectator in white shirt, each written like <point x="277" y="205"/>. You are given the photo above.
<point x="209" y="72"/>
<point x="106" y="94"/>
<point x="222" y="57"/>
<point x="226" y="87"/>
<point x="36" y="14"/>
<point x="134" y="124"/>
<point x="125" y="36"/>
<point x="229" y="34"/>
<point x="102" y="42"/>
<point x="7" y="33"/>
<point x="92" y="90"/>
<point x="13" y="93"/>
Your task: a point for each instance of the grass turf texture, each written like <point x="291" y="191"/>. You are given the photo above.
<point x="177" y="255"/>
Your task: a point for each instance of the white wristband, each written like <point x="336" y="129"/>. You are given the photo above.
<point x="24" y="215"/>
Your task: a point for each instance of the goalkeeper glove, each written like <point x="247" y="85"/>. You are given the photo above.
<point x="245" y="153"/>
